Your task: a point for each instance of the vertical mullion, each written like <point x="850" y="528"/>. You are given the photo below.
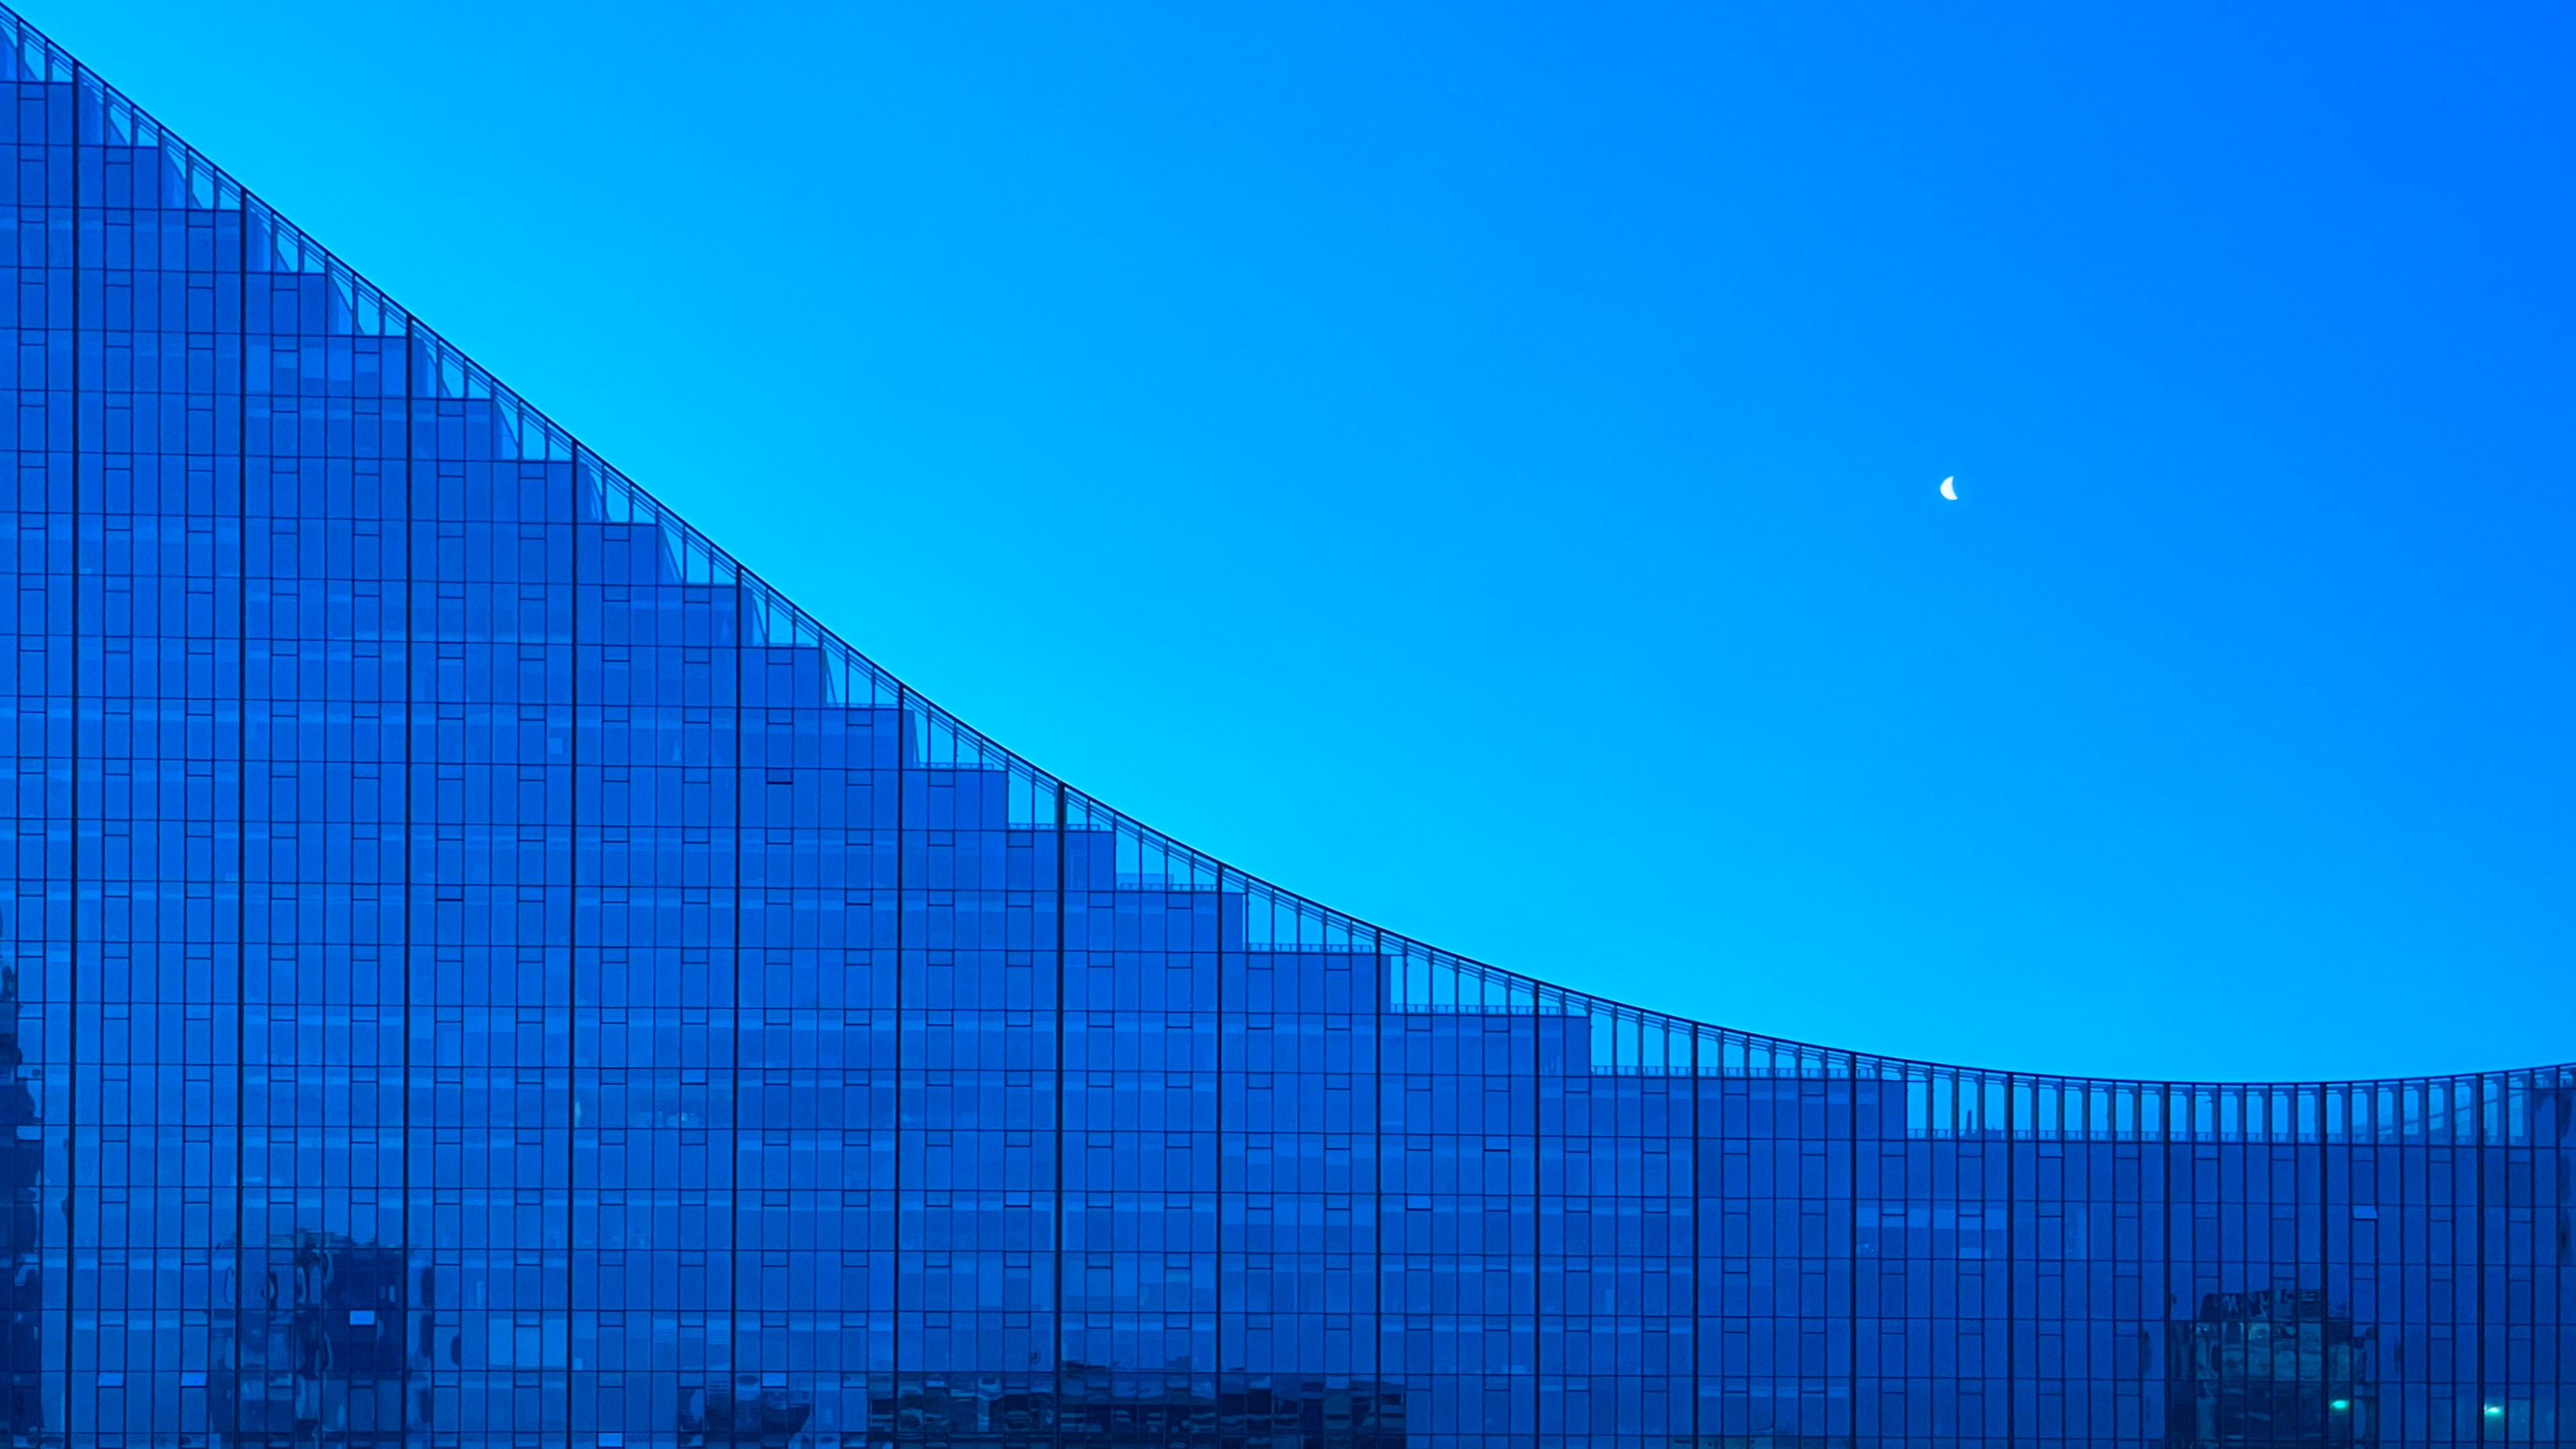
<point x="2325" y="1249"/>
<point x="1378" y="994"/>
<point x="733" y="1145"/>
<point x="2164" y="1148"/>
<point x="902" y="907"/>
<point x="241" y="832"/>
<point x="1538" y="1208"/>
<point x="1217" y="1369"/>
<point x="410" y="597"/>
<point x="1697" y="1236"/>
<point x="71" y="1149"/>
<point x="1851" y="1248"/>
<point x="2478" y="1200"/>
<point x="572" y="948"/>
<point x="1055" y="1419"/>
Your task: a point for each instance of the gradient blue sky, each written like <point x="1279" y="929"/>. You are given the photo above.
<point x="1476" y="465"/>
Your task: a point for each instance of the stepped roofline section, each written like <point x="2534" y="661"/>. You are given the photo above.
<point x="2493" y="1107"/>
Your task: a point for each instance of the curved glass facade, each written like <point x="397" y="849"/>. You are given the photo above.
<point x="483" y="969"/>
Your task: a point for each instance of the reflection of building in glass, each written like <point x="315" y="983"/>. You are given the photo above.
<point x="748" y="1414"/>
<point x="1093" y="1406"/>
<point x="2269" y="1367"/>
<point x="318" y="1354"/>
<point x="22" y="1160"/>
<point x="463" y="894"/>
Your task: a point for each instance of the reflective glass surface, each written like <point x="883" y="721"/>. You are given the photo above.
<point x="483" y="969"/>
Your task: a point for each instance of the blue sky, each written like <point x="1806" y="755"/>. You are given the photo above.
<point x="1477" y="465"/>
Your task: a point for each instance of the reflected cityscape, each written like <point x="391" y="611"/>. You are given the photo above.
<point x="2270" y="1368"/>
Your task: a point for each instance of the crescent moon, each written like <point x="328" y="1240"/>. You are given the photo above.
<point x="1949" y="492"/>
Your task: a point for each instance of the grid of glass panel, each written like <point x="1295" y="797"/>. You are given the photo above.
<point x="483" y="969"/>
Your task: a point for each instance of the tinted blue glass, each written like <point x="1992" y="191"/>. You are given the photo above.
<point x="483" y="969"/>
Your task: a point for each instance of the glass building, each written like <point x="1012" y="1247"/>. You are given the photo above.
<point x="483" y="969"/>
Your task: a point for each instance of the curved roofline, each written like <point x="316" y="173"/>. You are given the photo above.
<point x="30" y="54"/>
